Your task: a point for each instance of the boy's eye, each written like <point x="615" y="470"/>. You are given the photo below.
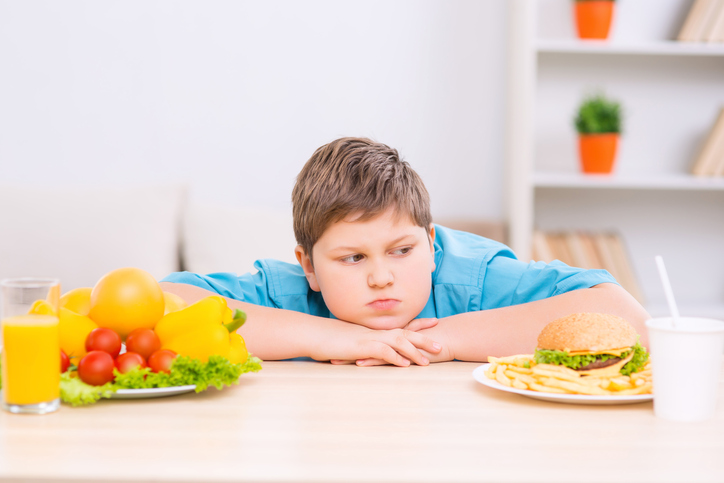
<point x="401" y="251"/>
<point x="353" y="258"/>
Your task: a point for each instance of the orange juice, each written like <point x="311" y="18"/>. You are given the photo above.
<point x="31" y="359"/>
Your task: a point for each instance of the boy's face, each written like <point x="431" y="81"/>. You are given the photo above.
<point x="376" y="273"/>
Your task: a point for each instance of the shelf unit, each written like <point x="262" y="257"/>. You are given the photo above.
<point x="651" y="198"/>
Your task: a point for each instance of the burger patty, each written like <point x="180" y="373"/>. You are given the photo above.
<point x="599" y="364"/>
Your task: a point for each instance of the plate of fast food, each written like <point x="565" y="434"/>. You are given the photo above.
<point x="583" y="358"/>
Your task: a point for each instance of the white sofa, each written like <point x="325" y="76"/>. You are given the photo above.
<point x="79" y="234"/>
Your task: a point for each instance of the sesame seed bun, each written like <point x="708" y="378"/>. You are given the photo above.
<point x="587" y="332"/>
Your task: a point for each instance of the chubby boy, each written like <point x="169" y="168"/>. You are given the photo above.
<point x="378" y="283"/>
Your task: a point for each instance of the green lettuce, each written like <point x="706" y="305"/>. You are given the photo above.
<point x="561" y="358"/>
<point x="75" y="392"/>
<point x="218" y="372"/>
<point x="637" y="362"/>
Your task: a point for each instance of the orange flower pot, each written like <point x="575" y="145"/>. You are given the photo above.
<point x="597" y="152"/>
<point x="593" y="18"/>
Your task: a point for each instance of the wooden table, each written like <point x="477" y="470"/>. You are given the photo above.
<point x="314" y="422"/>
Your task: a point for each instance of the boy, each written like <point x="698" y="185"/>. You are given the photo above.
<point x="379" y="283"/>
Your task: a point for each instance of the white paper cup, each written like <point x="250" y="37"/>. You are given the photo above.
<point x="686" y="364"/>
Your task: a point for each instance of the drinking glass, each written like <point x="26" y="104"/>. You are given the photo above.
<point x="31" y="345"/>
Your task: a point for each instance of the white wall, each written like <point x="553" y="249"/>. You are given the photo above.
<point x="234" y="96"/>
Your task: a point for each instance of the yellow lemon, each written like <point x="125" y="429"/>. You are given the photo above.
<point x="77" y="300"/>
<point x="173" y="302"/>
<point x="127" y="299"/>
<point x="74" y="329"/>
<point x="41" y="307"/>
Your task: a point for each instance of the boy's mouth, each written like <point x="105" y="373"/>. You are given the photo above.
<point x="383" y="304"/>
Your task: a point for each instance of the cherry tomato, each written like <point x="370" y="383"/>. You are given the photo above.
<point x="64" y="361"/>
<point x="143" y="341"/>
<point x="102" y="339"/>
<point x="160" y="361"/>
<point x="129" y="360"/>
<point x="96" y="368"/>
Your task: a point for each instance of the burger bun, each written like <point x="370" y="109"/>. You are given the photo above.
<point x="587" y="332"/>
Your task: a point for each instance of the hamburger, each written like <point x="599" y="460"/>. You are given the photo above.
<point x="591" y="344"/>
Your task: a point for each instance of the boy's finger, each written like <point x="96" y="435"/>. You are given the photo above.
<point x="421" y="324"/>
<point x="405" y="348"/>
<point x="391" y="355"/>
<point x="340" y="361"/>
<point x="423" y="342"/>
<point x="371" y="362"/>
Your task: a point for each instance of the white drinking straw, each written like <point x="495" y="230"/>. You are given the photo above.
<point x="667" y="290"/>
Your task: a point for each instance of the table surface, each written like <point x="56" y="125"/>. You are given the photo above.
<point x="315" y="422"/>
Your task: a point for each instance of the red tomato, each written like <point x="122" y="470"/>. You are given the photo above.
<point x="96" y="368"/>
<point x="105" y="340"/>
<point x="129" y="360"/>
<point x="143" y="341"/>
<point x="64" y="362"/>
<point x="160" y="361"/>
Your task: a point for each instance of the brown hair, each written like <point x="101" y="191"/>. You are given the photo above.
<point x="350" y="176"/>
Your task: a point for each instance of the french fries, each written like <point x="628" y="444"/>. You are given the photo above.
<point x="521" y="372"/>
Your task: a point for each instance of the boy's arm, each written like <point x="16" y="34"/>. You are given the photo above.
<point x="473" y="336"/>
<point x="274" y="334"/>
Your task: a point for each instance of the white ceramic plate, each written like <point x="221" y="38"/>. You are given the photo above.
<point x="153" y="392"/>
<point x="479" y="375"/>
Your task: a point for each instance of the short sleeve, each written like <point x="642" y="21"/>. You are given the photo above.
<point x="248" y="287"/>
<point x="508" y="281"/>
<point x="275" y="284"/>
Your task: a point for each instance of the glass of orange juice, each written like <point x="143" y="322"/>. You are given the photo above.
<point x="31" y="345"/>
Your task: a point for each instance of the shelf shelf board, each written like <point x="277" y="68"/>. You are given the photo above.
<point x="669" y="47"/>
<point x="614" y="181"/>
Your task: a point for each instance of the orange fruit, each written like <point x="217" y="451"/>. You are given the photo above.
<point x="173" y="302"/>
<point x="126" y="299"/>
<point x="77" y="300"/>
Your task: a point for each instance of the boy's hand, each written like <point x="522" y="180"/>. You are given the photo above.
<point x="377" y="347"/>
<point x="429" y="328"/>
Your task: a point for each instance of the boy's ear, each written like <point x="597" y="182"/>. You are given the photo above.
<point x="432" y="245"/>
<point x="307" y="266"/>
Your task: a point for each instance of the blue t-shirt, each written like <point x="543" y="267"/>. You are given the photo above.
<point x="471" y="273"/>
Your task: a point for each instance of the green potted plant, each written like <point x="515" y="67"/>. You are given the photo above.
<point x="593" y="18"/>
<point x="598" y="123"/>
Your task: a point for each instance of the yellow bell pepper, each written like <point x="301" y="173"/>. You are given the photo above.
<point x="203" y="329"/>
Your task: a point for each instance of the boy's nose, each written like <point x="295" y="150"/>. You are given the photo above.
<point x="380" y="276"/>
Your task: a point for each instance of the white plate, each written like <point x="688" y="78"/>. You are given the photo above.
<point x="153" y="392"/>
<point x="479" y="375"/>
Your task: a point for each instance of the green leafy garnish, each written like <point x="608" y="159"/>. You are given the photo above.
<point x="218" y="372"/>
<point x="75" y="392"/>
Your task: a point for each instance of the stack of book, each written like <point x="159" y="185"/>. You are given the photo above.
<point x="589" y="250"/>
<point x="710" y="161"/>
<point x="704" y="22"/>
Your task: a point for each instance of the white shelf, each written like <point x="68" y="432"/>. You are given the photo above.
<point x="673" y="90"/>
<point x="573" y="46"/>
<point x="643" y="182"/>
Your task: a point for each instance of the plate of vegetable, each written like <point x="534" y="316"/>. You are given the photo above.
<point x="152" y="392"/>
<point x="186" y="375"/>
